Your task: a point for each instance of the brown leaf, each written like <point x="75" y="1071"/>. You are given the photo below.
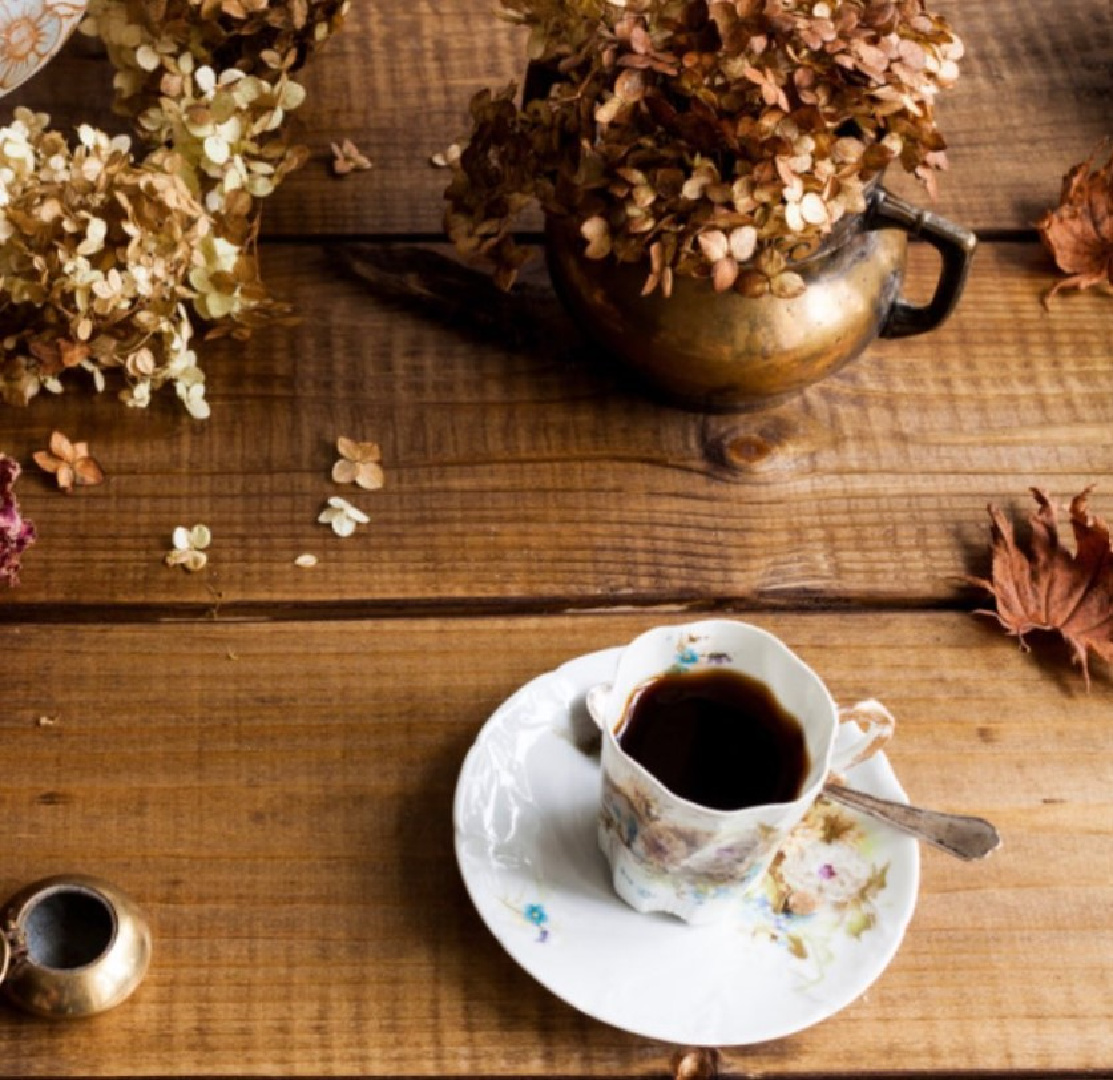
<point x="1050" y="588"/>
<point x="700" y="1063"/>
<point x="1079" y="234"/>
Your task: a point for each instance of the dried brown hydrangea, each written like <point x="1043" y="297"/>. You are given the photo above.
<point x="718" y="139"/>
<point x="114" y="258"/>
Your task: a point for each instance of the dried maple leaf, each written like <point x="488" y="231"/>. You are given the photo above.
<point x="1051" y="589"/>
<point x="70" y="463"/>
<point x="347" y="157"/>
<point x="1079" y="234"/>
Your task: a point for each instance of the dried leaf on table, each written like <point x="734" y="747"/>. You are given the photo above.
<point x="699" y="1063"/>
<point x="1049" y="588"/>
<point x="1079" y="234"/>
<point x="70" y="463"/>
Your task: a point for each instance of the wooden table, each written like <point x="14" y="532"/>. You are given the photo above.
<point x="265" y="755"/>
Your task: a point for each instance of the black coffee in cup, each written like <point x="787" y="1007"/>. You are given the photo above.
<point x="717" y="738"/>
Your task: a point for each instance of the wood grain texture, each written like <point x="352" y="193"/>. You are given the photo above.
<point x="1034" y="98"/>
<point x="520" y="470"/>
<point x="278" y="798"/>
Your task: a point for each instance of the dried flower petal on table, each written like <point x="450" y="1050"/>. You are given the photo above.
<point x="342" y="516"/>
<point x="1079" y="234"/>
<point x="347" y="157"/>
<point x="359" y="464"/>
<point x="449" y="156"/>
<point x="189" y="548"/>
<point x="70" y="463"/>
<point x="16" y="534"/>
<point x="1050" y="588"/>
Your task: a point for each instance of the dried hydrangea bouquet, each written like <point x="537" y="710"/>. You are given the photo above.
<point x="724" y="142"/>
<point x="114" y="256"/>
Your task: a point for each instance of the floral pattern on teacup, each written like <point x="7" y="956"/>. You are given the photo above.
<point x="700" y="857"/>
<point x="31" y="32"/>
<point x="689" y="657"/>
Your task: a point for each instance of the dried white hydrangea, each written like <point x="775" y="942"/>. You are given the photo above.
<point x="113" y="260"/>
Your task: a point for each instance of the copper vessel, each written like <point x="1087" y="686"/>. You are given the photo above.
<point x="724" y="351"/>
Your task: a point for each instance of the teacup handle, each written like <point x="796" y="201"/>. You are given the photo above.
<point x="863" y="730"/>
<point x="954" y="243"/>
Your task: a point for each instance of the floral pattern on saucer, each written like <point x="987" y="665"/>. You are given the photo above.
<point x="31" y="32"/>
<point x="824" y="882"/>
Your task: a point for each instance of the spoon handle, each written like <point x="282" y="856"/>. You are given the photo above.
<point x="957" y="834"/>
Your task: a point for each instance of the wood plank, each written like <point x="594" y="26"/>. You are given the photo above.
<point x="1034" y="98"/>
<point x="278" y="798"/>
<point x="521" y="470"/>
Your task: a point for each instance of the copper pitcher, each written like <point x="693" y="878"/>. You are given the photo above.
<point x="724" y="351"/>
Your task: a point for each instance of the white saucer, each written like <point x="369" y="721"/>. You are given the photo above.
<point x="525" y="814"/>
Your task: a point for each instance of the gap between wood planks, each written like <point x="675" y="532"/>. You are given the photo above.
<point x="795" y="601"/>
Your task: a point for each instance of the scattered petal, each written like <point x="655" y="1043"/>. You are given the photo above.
<point x="347" y="157"/>
<point x="359" y="464"/>
<point x="189" y="547"/>
<point x="342" y="516"/>
<point x="70" y="463"/>
<point x="306" y="561"/>
<point x="447" y="158"/>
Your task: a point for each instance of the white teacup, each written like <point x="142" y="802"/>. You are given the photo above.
<point x="669" y="854"/>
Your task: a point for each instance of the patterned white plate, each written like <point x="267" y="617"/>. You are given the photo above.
<point x="31" y="32"/>
<point x="826" y="921"/>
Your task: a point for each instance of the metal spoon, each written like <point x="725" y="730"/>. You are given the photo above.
<point x="961" y="835"/>
<point x="957" y="834"/>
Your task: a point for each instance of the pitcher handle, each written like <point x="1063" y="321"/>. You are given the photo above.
<point x="954" y="243"/>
